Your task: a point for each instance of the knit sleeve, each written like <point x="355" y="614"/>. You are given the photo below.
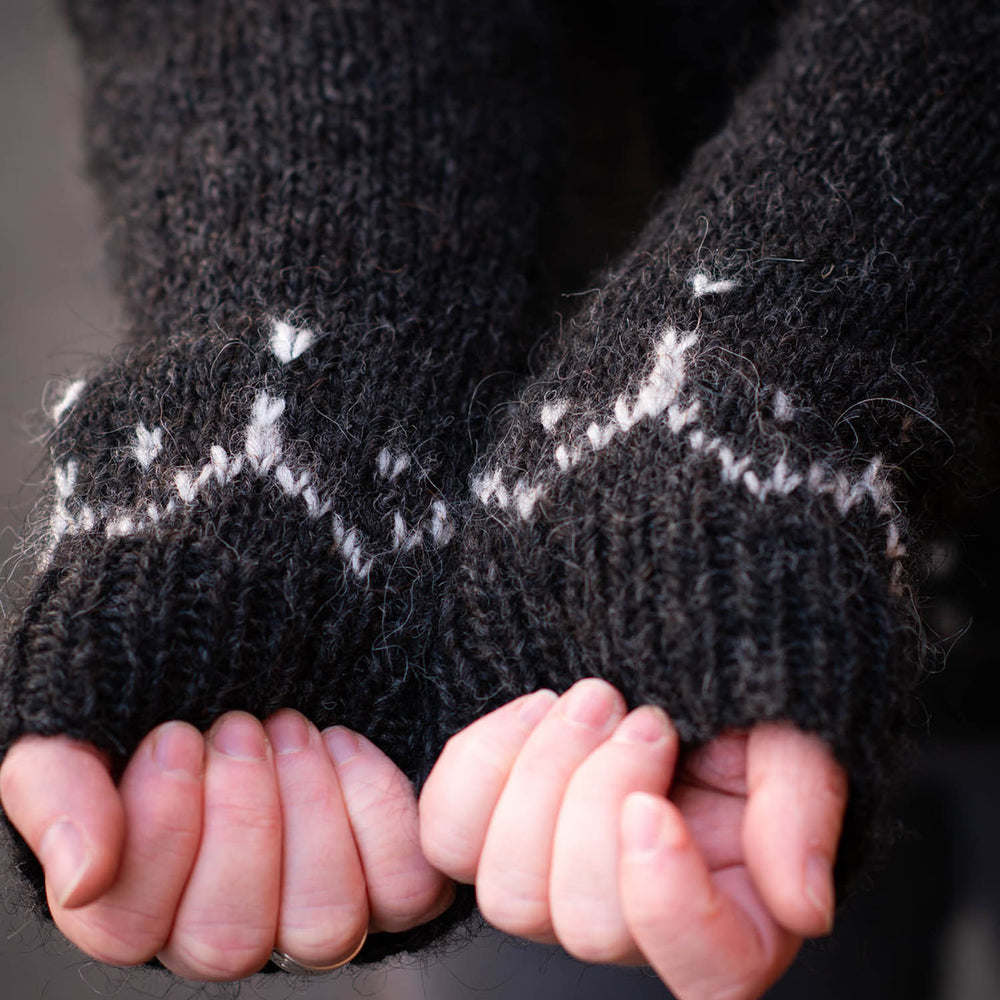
<point x="323" y="225"/>
<point x="711" y="493"/>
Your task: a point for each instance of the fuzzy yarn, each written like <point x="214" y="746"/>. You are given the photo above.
<point x="708" y="492"/>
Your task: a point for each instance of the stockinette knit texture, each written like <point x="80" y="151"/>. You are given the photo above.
<point x="709" y="495"/>
<point x="325" y="220"/>
<point x="705" y="496"/>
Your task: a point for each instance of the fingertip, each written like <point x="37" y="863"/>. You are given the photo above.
<point x="530" y="709"/>
<point x="343" y="744"/>
<point x="59" y="795"/>
<point x="795" y="809"/>
<point x="178" y="749"/>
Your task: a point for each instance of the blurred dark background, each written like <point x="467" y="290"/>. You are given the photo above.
<point x="928" y="926"/>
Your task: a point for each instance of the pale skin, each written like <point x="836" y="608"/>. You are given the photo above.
<point x="555" y="808"/>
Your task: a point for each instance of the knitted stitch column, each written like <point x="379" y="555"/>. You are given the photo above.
<point x="701" y="498"/>
<point x="706" y="495"/>
<point x="325" y="220"/>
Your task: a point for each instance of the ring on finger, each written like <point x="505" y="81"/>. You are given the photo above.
<point x="286" y="963"/>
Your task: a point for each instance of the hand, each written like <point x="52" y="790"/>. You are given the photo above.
<point x="213" y="850"/>
<point x="557" y="810"/>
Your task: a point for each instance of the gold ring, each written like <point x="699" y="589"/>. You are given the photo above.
<point x="288" y="964"/>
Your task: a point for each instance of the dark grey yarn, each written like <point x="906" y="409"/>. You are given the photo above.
<point x="374" y="175"/>
<point x="745" y="551"/>
<point x="708" y="494"/>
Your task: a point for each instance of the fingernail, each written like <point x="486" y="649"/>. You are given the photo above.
<point x="175" y="752"/>
<point x="642" y="825"/>
<point x="65" y="858"/>
<point x="241" y="737"/>
<point x="289" y="733"/>
<point x="532" y="708"/>
<point x="589" y="703"/>
<point x="647" y="724"/>
<point x="342" y="743"/>
<point x="819" y="887"/>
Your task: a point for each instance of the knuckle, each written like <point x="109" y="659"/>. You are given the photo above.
<point x="398" y="901"/>
<point x="120" y="936"/>
<point x="223" y="952"/>
<point x="321" y="933"/>
<point x="514" y="906"/>
<point x="588" y="932"/>
<point x="594" y="950"/>
<point x="450" y="849"/>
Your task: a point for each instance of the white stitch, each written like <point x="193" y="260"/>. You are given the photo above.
<point x="490" y="485"/>
<point x="350" y="544"/>
<point x="568" y="457"/>
<point x="877" y="485"/>
<point x="678" y="419"/>
<point x="87" y="520"/>
<point x="703" y="285"/>
<point x="441" y="530"/>
<point x="288" y="481"/>
<point x="289" y="343"/>
<point x="154" y="513"/>
<point x="754" y="485"/>
<point x="625" y="417"/>
<point x="781" y="481"/>
<point x="732" y="469"/>
<point x="226" y="467"/>
<point x="314" y="507"/>
<point x="351" y="549"/>
<point x="148" y="445"/>
<point x="697" y="439"/>
<point x="263" y="439"/>
<point x="526" y="497"/>
<point x="599" y="436"/>
<point x="338" y="530"/>
<point x="783" y="410"/>
<point x="207" y="473"/>
<point x="552" y="413"/>
<point x="66" y="477"/>
<point x="391" y="466"/>
<point x="120" y="527"/>
<point x="660" y="388"/>
<point x="842" y="493"/>
<point x="62" y="521"/>
<point x="399" y="530"/>
<point x="69" y="398"/>
<point x="816" y="478"/>
<point x="186" y="486"/>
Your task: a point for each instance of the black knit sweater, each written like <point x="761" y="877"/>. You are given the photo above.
<point x="326" y="220"/>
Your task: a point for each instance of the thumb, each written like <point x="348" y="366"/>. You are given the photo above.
<point x="59" y="795"/>
<point x="796" y="796"/>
